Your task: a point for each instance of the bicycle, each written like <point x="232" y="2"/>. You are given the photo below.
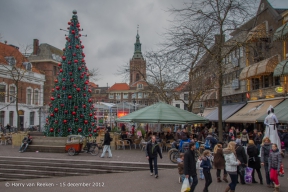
<point x="94" y="149"/>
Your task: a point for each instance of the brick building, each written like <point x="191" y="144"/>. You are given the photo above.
<point x="45" y="58"/>
<point x="17" y="71"/>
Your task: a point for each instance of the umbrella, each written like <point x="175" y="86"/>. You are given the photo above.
<point x="162" y="113"/>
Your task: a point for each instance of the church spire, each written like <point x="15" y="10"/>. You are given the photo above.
<point x="137" y="46"/>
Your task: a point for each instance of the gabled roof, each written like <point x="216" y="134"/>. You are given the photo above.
<point x="119" y="87"/>
<point x="181" y="86"/>
<point x="10" y="51"/>
<point x="93" y="85"/>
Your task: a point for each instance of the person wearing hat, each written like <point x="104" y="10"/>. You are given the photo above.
<point x="271" y="130"/>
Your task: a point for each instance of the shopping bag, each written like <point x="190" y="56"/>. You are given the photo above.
<point x="281" y="172"/>
<point x="248" y="175"/>
<point x="185" y="186"/>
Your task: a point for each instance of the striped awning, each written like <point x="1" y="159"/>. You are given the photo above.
<point x="258" y="32"/>
<point x="281" y="69"/>
<point x="281" y="33"/>
<point x="261" y="68"/>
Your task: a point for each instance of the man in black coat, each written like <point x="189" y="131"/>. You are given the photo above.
<point x="190" y="165"/>
<point x="106" y="143"/>
<point x="152" y="151"/>
<point x="242" y="157"/>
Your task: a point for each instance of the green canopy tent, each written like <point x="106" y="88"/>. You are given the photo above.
<point x="162" y="113"/>
<point x="281" y="112"/>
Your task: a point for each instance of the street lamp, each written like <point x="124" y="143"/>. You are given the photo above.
<point x="134" y="102"/>
<point x="201" y="109"/>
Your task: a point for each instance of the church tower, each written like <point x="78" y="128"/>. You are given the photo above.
<point x="137" y="64"/>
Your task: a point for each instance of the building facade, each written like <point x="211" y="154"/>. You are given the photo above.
<point x="21" y="81"/>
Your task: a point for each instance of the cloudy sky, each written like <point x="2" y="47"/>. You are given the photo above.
<point x="111" y="26"/>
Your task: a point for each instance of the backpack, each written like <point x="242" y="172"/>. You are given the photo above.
<point x="207" y="144"/>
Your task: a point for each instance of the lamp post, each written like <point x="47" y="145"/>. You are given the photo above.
<point x="134" y="102"/>
<point x="201" y="110"/>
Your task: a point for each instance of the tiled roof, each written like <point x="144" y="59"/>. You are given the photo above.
<point x="93" y="85"/>
<point x="119" y="87"/>
<point x="9" y="51"/>
<point x="181" y="86"/>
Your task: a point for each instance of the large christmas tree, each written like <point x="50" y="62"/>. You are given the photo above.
<point x="71" y="108"/>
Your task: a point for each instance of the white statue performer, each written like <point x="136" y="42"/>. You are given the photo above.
<point x="271" y="129"/>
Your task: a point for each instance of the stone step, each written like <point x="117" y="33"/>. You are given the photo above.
<point x="8" y="179"/>
<point x="47" y="149"/>
<point x="40" y="172"/>
<point x="97" y="169"/>
<point x="20" y="176"/>
<point x="81" y="162"/>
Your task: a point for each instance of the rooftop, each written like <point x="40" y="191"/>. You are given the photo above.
<point x="119" y="87"/>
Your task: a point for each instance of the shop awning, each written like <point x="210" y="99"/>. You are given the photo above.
<point x="281" y="33"/>
<point x="206" y="112"/>
<point x="252" y="111"/>
<point x="281" y="112"/>
<point x="244" y="72"/>
<point x="258" y="32"/>
<point x="227" y="111"/>
<point x="263" y="67"/>
<point x="281" y="69"/>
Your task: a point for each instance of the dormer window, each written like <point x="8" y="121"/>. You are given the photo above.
<point x="140" y="86"/>
<point x="28" y="66"/>
<point x="10" y="60"/>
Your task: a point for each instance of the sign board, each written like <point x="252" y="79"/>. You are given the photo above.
<point x="279" y="89"/>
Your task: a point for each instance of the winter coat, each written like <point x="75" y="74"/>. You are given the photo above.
<point x="190" y="163"/>
<point x="274" y="160"/>
<point x="219" y="160"/>
<point x="265" y="152"/>
<point x="152" y="150"/>
<point x="180" y="166"/>
<point x="212" y="140"/>
<point x="245" y="137"/>
<point x="107" y="139"/>
<point x="254" y="160"/>
<point x="206" y="163"/>
<point x="241" y="154"/>
<point x="258" y="140"/>
<point x="231" y="161"/>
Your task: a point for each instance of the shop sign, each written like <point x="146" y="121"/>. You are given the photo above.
<point x="279" y="89"/>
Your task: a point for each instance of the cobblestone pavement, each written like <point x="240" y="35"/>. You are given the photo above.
<point x="136" y="181"/>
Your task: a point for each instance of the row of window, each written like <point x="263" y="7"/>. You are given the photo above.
<point x="31" y="97"/>
<point x="265" y="82"/>
<point x="11" y="118"/>
<point x="139" y="95"/>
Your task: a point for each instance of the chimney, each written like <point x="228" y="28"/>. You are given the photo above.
<point x="218" y="39"/>
<point x="35" y="46"/>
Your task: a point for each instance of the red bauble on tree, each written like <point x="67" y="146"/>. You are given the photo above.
<point x="59" y="64"/>
<point x="90" y="100"/>
<point x="61" y="70"/>
<point x="52" y="90"/>
<point x="81" y="116"/>
<point x="75" y="61"/>
<point x="73" y="113"/>
<point x="56" y="110"/>
<point x="92" y="124"/>
<point x="76" y="119"/>
<point x="52" y="98"/>
<point x="90" y="135"/>
<point x="69" y="62"/>
<point x="65" y="121"/>
<point x="66" y="112"/>
<point x="82" y="46"/>
<point x="84" y="94"/>
<point x="77" y="46"/>
<point x="70" y="73"/>
<point x="74" y="85"/>
<point x="84" y="106"/>
<point x="58" y="96"/>
<point x="69" y="129"/>
<point x="57" y="87"/>
<point x="69" y="47"/>
<point x="89" y="129"/>
<point x="51" y="115"/>
<point x="56" y="80"/>
<point x="90" y="114"/>
<point x="79" y="130"/>
<point x="51" y="130"/>
<point x="63" y="58"/>
<point x="63" y="79"/>
<point x="73" y="32"/>
<point x="78" y="89"/>
<point x="75" y="107"/>
<point x="62" y="105"/>
<point x="94" y="130"/>
<point x="85" y="122"/>
<point x="69" y="96"/>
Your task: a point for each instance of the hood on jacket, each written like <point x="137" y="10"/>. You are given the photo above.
<point x="227" y="151"/>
